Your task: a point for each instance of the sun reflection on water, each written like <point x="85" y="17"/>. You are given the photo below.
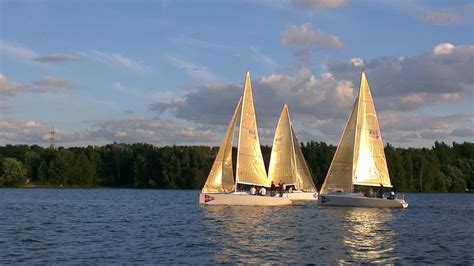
<point x="369" y="238"/>
<point x="243" y="228"/>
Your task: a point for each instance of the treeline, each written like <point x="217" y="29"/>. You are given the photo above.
<point x="443" y="168"/>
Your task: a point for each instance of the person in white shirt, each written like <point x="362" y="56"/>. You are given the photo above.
<point x="253" y="190"/>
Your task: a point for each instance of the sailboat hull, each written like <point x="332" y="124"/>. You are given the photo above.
<point x="302" y="196"/>
<point x="239" y="198"/>
<point x="356" y="200"/>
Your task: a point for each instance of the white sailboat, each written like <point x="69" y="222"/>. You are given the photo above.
<point x="359" y="159"/>
<point x="287" y="163"/>
<point x="220" y="187"/>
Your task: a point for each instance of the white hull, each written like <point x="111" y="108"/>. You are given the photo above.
<point x="302" y="196"/>
<point x="355" y="200"/>
<point x="241" y="199"/>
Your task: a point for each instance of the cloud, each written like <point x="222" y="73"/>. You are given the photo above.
<point x="25" y="53"/>
<point x="262" y="58"/>
<point x="309" y="97"/>
<point x="139" y="130"/>
<point x="442" y="17"/>
<point x="303" y="40"/>
<point x="47" y="84"/>
<point x="56" y="58"/>
<point x="17" y="50"/>
<point x="315" y="5"/>
<point x="320" y="105"/>
<point x="443" y="48"/>
<point x="442" y="75"/>
<point x="114" y="59"/>
<point x="33" y="132"/>
<point x="151" y="130"/>
<point x="463" y="132"/>
<point x="198" y="72"/>
<point x="190" y="41"/>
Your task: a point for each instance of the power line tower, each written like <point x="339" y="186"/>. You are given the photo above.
<point x="52" y="138"/>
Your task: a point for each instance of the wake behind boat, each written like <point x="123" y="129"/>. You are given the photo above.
<point x="220" y="187"/>
<point x="359" y="160"/>
<point x="287" y="163"/>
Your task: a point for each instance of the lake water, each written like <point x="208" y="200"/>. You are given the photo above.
<point x="96" y="226"/>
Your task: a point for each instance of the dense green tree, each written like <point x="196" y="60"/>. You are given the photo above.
<point x="13" y="173"/>
<point x="437" y="169"/>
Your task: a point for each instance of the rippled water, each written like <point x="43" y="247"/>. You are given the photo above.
<point x="163" y="226"/>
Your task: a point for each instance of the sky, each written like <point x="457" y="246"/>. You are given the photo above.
<point x="171" y="72"/>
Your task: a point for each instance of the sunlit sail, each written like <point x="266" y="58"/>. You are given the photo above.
<point x="287" y="162"/>
<point x="359" y="158"/>
<point x="250" y="166"/>
<point x="220" y="187"/>
<point x="221" y="178"/>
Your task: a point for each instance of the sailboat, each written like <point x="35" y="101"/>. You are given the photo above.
<point x="287" y="163"/>
<point x="220" y="187"/>
<point x="359" y="159"/>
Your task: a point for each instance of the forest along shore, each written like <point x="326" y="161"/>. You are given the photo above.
<point x="441" y="168"/>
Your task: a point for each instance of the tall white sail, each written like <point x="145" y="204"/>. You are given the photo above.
<point x="370" y="165"/>
<point x="359" y="158"/>
<point x="250" y="166"/>
<point x="302" y="175"/>
<point x="287" y="162"/>
<point x="282" y="156"/>
<point x="221" y="178"/>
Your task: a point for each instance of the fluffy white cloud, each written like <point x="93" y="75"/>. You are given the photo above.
<point x="319" y="106"/>
<point x="443" y="48"/>
<point x="413" y="82"/>
<point x="303" y="40"/>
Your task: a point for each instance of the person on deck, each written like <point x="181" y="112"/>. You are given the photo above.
<point x="272" y="189"/>
<point x="253" y="190"/>
<point x="263" y="191"/>
<point x="392" y="195"/>
<point x="282" y="188"/>
<point x="381" y="191"/>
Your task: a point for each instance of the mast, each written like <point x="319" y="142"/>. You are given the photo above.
<point x="250" y="166"/>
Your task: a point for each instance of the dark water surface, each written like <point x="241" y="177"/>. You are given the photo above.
<point x="168" y="226"/>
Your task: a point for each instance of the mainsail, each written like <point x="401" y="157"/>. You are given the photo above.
<point x="221" y="178"/>
<point x="359" y="158"/>
<point x="250" y="166"/>
<point x="370" y="166"/>
<point x="287" y="162"/>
